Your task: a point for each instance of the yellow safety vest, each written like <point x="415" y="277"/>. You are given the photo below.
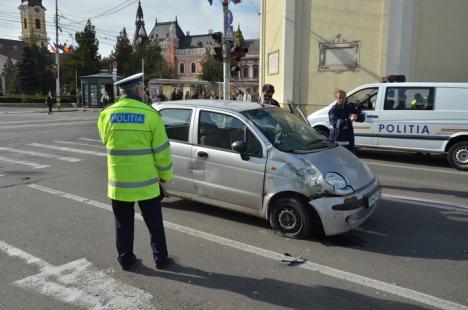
<point x="138" y="151"/>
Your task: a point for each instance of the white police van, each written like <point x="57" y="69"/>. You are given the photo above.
<point x="422" y="117"/>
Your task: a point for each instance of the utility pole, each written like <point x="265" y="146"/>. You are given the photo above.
<point x="57" y="58"/>
<point x="226" y="71"/>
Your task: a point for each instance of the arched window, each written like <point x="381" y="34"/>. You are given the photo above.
<point x="181" y="68"/>
<point x="38" y="24"/>
<point x="194" y="68"/>
<point x="25" y="24"/>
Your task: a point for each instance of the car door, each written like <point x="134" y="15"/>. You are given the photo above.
<point x="178" y="123"/>
<point x="219" y="173"/>
<point x="367" y="100"/>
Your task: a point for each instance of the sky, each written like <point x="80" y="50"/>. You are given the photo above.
<point x="196" y="16"/>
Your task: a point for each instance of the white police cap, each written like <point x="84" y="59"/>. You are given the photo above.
<point x="130" y="81"/>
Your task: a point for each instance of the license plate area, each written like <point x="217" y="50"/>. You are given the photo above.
<point x="373" y="198"/>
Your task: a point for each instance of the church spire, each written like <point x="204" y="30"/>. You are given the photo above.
<point x="140" y="31"/>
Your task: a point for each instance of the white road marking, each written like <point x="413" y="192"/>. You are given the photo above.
<point x="79" y="283"/>
<point x="68" y="149"/>
<point x="81" y="144"/>
<point x="22" y="162"/>
<point x="329" y="271"/>
<point x="415" y="168"/>
<point x="420" y="202"/>
<point x="40" y="154"/>
<point x="371" y="232"/>
<point x="48" y="121"/>
<point x="50" y="124"/>
<point x="87" y="139"/>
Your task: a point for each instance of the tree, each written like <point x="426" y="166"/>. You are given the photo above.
<point x="155" y="64"/>
<point x="123" y="53"/>
<point x="10" y="71"/>
<point x="87" y="50"/>
<point x="212" y="69"/>
<point x="35" y="70"/>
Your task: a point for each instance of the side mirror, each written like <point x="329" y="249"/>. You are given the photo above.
<point x="240" y="147"/>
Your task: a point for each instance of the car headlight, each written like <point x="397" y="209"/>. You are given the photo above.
<point x="336" y="180"/>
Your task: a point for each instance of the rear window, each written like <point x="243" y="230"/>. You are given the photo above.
<point x="409" y="98"/>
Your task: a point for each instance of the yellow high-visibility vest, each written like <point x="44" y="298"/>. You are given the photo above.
<point x="138" y="151"/>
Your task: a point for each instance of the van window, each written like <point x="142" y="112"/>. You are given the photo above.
<point x="409" y="98"/>
<point x="364" y="98"/>
<point x="220" y="131"/>
<point x="177" y="122"/>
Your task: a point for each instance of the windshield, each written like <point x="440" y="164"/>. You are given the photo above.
<point x="286" y="132"/>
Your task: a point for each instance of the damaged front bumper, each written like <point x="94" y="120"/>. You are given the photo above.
<point x="341" y="214"/>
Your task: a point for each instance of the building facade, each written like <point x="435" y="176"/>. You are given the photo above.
<point x="311" y="48"/>
<point x="185" y="53"/>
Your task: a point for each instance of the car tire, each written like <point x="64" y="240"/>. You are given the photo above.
<point x="457" y="156"/>
<point x="290" y="218"/>
<point x="323" y="131"/>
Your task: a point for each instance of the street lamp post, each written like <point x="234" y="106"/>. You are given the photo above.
<point x="226" y="72"/>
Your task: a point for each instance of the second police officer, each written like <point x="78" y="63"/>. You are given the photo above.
<point x="139" y="158"/>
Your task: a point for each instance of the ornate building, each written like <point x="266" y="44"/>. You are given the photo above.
<point x="33" y="25"/>
<point x="186" y="53"/>
<point x="140" y="31"/>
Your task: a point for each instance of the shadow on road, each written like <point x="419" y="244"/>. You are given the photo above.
<point x="436" y="191"/>
<point x="272" y="291"/>
<point x="396" y="229"/>
<point x="400" y="157"/>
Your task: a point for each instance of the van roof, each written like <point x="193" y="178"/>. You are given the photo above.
<point x="231" y="105"/>
<point x="417" y="84"/>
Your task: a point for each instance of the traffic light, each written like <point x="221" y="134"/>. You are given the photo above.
<point x="218" y="47"/>
<point x="237" y="53"/>
<point x="218" y="53"/>
<point x="217" y="37"/>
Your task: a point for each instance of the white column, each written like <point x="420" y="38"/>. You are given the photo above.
<point x="287" y="59"/>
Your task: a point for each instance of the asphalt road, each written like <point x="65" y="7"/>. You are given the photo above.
<point x="57" y="237"/>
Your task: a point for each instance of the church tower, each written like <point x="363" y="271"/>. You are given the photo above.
<point x="33" y="23"/>
<point x="171" y="46"/>
<point x="140" y="31"/>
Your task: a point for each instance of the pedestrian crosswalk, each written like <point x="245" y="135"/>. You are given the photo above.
<point x="46" y="155"/>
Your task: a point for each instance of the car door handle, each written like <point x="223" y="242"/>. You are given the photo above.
<point x="202" y="154"/>
<point x="372" y="116"/>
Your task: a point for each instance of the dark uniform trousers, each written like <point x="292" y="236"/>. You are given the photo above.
<point x="124" y="214"/>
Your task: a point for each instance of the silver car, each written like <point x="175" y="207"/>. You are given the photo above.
<point x="267" y="162"/>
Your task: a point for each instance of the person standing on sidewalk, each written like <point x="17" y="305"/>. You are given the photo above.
<point x="139" y="159"/>
<point x="50" y="102"/>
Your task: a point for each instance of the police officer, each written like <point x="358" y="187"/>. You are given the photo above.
<point x="342" y="115"/>
<point x="138" y="158"/>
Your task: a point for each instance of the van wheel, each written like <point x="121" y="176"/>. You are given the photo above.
<point x="458" y="156"/>
<point x="290" y="218"/>
<point x="323" y="131"/>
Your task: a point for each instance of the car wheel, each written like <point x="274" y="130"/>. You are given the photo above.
<point x="323" y="131"/>
<point x="458" y="156"/>
<point x="290" y="218"/>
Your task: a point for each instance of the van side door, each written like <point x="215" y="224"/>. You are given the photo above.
<point x="408" y="120"/>
<point x="367" y="100"/>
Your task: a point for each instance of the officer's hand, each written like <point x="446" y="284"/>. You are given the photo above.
<point x="353" y="117"/>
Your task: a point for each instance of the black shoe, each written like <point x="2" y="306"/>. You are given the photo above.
<point x="162" y="264"/>
<point x="128" y="265"/>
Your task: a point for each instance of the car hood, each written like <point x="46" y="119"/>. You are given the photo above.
<point x="341" y="161"/>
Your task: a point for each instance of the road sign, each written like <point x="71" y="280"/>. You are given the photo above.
<point x="114" y="75"/>
<point x="228" y="18"/>
<point x="229" y="33"/>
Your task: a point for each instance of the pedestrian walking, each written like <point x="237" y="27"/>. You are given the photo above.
<point x="139" y="160"/>
<point x="50" y="102"/>
<point x="105" y="99"/>
<point x="341" y="116"/>
<point x="267" y="95"/>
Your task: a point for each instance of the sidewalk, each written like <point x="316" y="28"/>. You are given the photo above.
<point x="10" y="109"/>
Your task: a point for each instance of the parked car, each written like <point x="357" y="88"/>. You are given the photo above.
<point x="269" y="163"/>
<point x="421" y="117"/>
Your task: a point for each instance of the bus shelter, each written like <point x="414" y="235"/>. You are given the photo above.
<point x="94" y="86"/>
<point x="163" y="88"/>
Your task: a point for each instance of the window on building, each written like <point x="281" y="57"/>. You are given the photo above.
<point x="255" y="72"/>
<point x="409" y="98"/>
<point x="181" y="68"/>
<point x="25" y="24"/>
<point x="194" y="68"/>
<point x="177" y="122"/>
<point x="245" y="72"/>
<point x="38" y="24"/>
